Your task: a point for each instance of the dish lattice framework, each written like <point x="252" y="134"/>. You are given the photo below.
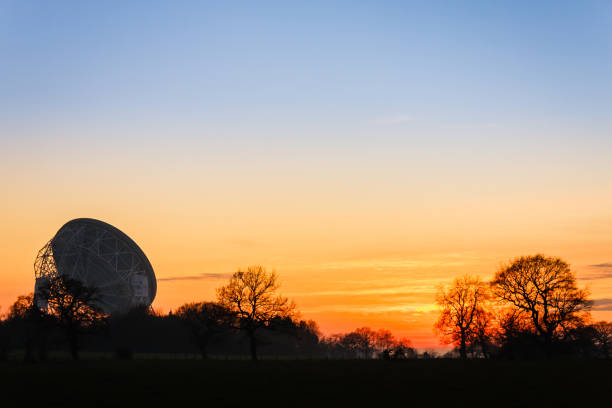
<point x="101" y="256"/>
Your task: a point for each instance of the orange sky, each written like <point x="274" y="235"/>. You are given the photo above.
<point x="348" y="259"/>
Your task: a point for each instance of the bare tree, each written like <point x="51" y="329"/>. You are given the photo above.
<point x="543" y="288"/>
<point x="510" y="323"/>
<point x="20" y="308"/>
<point x="384" y="342"/>
<point x="307" y="335"/>
<point x="350" y="344"/>
<point x="205" y="320"/>
<point x="70" y="302"/>
<point x="5" y="338"/>
<point x="251" y="296"/>
<point x="388" y="347"/>
<point x="365" y="340"/>
<point x="31" y="326"/>
<point x="484" y="331"/>
<point x="603" y="338"/>
<point x="460" y="305"/>
<point x="402" y="349"/>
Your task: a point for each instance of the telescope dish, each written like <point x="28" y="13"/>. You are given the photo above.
<point x="99" y="256"/>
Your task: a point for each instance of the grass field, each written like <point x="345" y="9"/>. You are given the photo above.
<point x="288" y="383"/>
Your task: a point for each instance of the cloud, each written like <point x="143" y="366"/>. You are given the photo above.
<point x="386" y="291"/>
<point x="602" y="304"/>
<point x="395" y="263"/>
<point x="604" y="272"/>
<point x="602" y="265"/>
<point x="407" y="311"/>
<point x="201" y="276"/>
<point x="596" y="276"/>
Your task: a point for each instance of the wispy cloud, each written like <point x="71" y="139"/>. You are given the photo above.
<point x="415" y="310"/>
<point x="602" y="265"/>
<point x="201" y="276"/>
<point x="602" y="304"/>
<point x="597" y="276"/>
<point x="402" y="290"/>
<point x="603" y="271"/>
<point x="395" y="263"/>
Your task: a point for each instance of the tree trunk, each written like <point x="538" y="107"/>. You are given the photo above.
<point x="485" y="351"/>
<point x="548" y="345"/>
<point x="204" y="349"/>
<point x="74" y="346"/>
<point x="463" y="348"/>
<point x="253" y="344"/>
<point x="42" y="348"/>
<point x="484" y="347"/>
<point x="28" y="349"/>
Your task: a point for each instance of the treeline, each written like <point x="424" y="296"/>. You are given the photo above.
<point x="144" y="331"/>
<point x="532" y="308"/>
<point x="247" y="318"/>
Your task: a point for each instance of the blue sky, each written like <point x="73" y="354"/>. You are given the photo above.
<point x="494" y="95"/>
<point x="278" y="67"/>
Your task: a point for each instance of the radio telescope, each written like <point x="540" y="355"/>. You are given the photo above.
<point x="99" y="256"/>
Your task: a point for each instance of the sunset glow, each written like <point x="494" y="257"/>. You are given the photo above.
<point x="366" y="169"/>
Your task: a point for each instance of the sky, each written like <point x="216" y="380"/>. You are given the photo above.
<point x="367" y="151"/>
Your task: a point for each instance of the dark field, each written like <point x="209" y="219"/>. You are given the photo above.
<point x="286" y="383"/>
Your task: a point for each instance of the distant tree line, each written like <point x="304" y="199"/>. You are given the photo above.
<point x="248" y="318"/>
<point x="532" y="308"/>
<point x="366" y="343"/>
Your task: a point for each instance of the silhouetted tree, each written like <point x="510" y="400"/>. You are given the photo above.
<point x="308" y="336"/>
<point x="384" y="342"/>
<point x="389" y="348"/>
<point x="483" y="331"/>
<point x="362" y="340"/>
<point x="513" y="334"/>
<point x="402" y="349"/>
<point x="460" y="306"/>
<point x="29" y="326"/>
<point x="579" y="342"/>
<point x="603" y="338"/>
<point x="70" y="302"/>
<point x="335" y="346"/>
<point x="5" y="338"/>
<point x="429" y="354"/>
<point x="18" y="323"/>
<point x="367" y="343"/>
<point x="206" y="320"/>
<point x="544" y="289"/>
<point x="134" y="330"/>
<point x="251" y="296"/>
<point x="350" y="344"/>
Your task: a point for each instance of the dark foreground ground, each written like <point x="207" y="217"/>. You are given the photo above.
<point x="311" y="383"/>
